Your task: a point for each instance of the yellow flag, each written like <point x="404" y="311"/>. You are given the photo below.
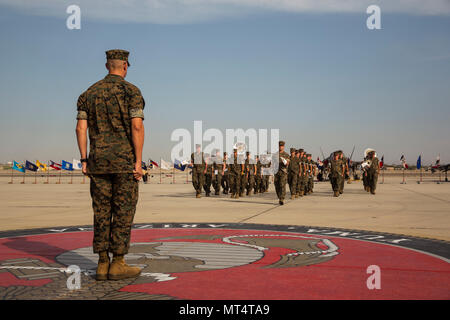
<point x="41" y="166"/>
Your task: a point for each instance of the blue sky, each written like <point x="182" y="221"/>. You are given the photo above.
<point x="320" y="76"/>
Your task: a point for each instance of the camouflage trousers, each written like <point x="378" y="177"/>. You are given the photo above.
<point x="198" y="180"/>
<point x="341" y="185"/>
<point x="250" y="183"/>
<point x="280" y="180"/>
<point x="293" y="182"/>
<point x="235" y="183"/>
<point x="265" y="183"/>
<point x="243" y="185"/>
<point x="114" y="199"/>
<point x="311" y="183"/>
<point x="372" y="179"/>
<point x="217" y="182"/>
<point x="225" y="183"/>
<point x="336" y="181"/>
<point x="208" y="182"/>
<point x="365" y="180"/>
<point x="301" y="184"/>
<point x="258" y="184"/>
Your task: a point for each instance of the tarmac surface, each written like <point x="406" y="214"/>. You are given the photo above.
<point x="255" y="248"/>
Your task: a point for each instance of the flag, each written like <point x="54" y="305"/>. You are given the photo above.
<point x="76" y="164"/>
<point x="55" y="165"/>
<point x="41" y="166"/>
<point x="165" y="165"/>
<point x="30" y="166"/>
<point x="66" y="166"/>
<point x="18" y="167"/>
<point x="179" y="165"/>
<point x="382" y="161"/>
<point x="419" y="162"/>
<point x="155" y="164"/>
<point x="403" y="160"/>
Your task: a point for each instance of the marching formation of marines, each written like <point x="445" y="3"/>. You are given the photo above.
<point x="242" y="175"/>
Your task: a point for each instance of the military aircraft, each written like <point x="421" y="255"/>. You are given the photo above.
<point x="442" y="168"/>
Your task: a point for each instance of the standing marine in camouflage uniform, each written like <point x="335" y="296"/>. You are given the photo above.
<point x="336" y="173"/>
<point x="311" y="173"/>
<point x="250" y="167"/>
<point x="225" y="180"/>
<point x="218" y="167"/>
<point x="280" y="177"/>
<point x="112" y="111"/>
<point x="265" y="176"/>
<point x="258" y="176"/>
<point x="235" y="170"/>
<point x="199" y="167"/>
<point x="208" y="175"/>
<point x="293" y="170"/>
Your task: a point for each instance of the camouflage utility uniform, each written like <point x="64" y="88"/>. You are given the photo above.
<point x="234" y="175"/>
<point x="198" y="169"/>
<point x="280" y="178"/>
<point x="217" y="174"/>
<point x="258" y="178"/>
<point x="208" y="178"/>
<point x="293" y="170"/>
<point x="108" y="106"/>
<point x="336" y="175"/>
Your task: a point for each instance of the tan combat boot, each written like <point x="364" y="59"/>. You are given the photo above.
<point x="292" y="197"/>
<point x="336" y="193"/>
<point x="103" y="266"/>
<point x="120" y="270"/>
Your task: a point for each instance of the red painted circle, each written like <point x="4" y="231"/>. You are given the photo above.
<point x="405" y="273"/>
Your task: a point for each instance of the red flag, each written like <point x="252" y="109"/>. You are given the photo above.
<point x="382" y="161"/>
<point x="154" y="163"/>
<point x="55" y="165"/>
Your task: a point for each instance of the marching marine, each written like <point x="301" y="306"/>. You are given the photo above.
<point x="293" y="171"/>
<point x="218" y="173"/>
<point x="280" y="177"/>
<point x="225" y="180"/>
<point x="235" y="171"/>
<point x="199" y="167"/>
<point x="336" y="173"/>
<point x="208" y="175"/>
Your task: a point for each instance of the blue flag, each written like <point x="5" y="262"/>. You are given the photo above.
<point x="18" y="167"/>
<point x="178" y="165"/>
<point x="31" y="166"/>
<point x="419" y="162"/>
<point x="67" y="166"/>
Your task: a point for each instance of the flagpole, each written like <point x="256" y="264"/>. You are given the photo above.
<point x="12" y="173"/>
<point x="24" y="172"/>
<point x="403" y="182"/>
<point x="160" y="170"/>
<point x="35" y="176"/>
<point x="382" y="174"/>
<point x="71" y="177"/>
<point x="187" y="174"/>
<point x="60" y="171"/>
<point x="48" y="172"/>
